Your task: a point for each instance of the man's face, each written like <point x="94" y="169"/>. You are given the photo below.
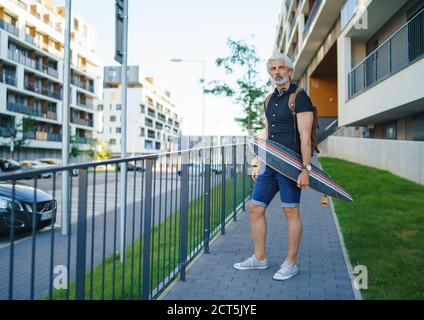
<point x="279" y="71"/>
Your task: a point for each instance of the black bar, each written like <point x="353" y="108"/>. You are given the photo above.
<point x="33" y="230"/>
<point x="52" y="230"/>
<point x="124" y="237"/>
<point x="141" y="231"/>
<point x="92" y="235"/>
<point x="81" y="235"/>
<point x="146" y="233"/>
<point x="223" y="190"/>
<point x="184" y="217"/>
<point x="104" y="237"/>
<point x="115" y="225"/>
<point x="244" y="174"/>
<point x="207" y="202"/>
<point x="12" y="242"/>
<point x="234" y="181"/>
<point x="133" y="232"/>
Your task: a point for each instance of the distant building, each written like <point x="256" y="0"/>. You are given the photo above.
<point x="31" y="76"/>
<point x="154" y="124"/>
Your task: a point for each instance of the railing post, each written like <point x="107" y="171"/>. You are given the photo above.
<point x="184" y="198"/>
<point x="81" y="235"/>
<point x="234" y="169"/>
<point x="146" y="230"/>
<point x="244" y="174"/>
<point x="207" y="203"/>
<point x="223" y="187"/>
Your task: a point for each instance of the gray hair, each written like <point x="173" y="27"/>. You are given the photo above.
<point x="280" y="57"/>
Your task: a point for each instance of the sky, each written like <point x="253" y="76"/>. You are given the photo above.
<point x="191" y="30"/>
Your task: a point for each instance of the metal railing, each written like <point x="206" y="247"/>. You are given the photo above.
<point x="9" y="28"/>
<point x="174" y="204"/>
<point x="328" y="131"/>
<point x="311" y="17"/>
<point x="403" y="48"/>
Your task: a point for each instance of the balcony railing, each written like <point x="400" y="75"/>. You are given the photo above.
<point x="25" y="109"/>
<point x="312" y="16"/>
<point x="403" y="48"/>
<point x="348" y="11"/>
<point x="31" y="63"/>
<point x="8" y="79"/>
<point x="9" y="28"/>
<point x="6" y="131"/>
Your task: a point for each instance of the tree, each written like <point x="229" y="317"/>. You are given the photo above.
<point x="248" y="90"/>
<point x="99" y="150"/>
<point x="18" y="136"/>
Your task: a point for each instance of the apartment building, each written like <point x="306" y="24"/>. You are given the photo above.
<point x="153" y="122"/>
<point x="31" y="77"/>
<point x="362" y="63"/>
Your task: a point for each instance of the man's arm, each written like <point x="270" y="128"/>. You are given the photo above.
<point x="305" y="121"/>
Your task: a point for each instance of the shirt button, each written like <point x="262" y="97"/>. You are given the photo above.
<point x="272" y="136"/>
<point x="276" y="105"/>
<point x="273" y="125"/>
<point x="273" y="115"/>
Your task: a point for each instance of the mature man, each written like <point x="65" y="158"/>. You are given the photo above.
<point x="280" y="126"/>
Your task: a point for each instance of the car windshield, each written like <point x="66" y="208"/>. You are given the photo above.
<point x="9" y="165"/>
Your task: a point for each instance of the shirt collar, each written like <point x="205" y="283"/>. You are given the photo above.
<point x="281" y="93"/>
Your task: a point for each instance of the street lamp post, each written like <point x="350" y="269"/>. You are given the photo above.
<point x="177" y="60"/>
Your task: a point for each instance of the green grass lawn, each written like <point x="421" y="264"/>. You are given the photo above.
<point x="383" y="228"/>
<point x="161" y="263"/>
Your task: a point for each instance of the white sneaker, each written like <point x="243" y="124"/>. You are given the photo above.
<point x="251" y="264"/>
<point x="286" y="272"/>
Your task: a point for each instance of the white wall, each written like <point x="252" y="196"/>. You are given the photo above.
<point x="402" y="158"/>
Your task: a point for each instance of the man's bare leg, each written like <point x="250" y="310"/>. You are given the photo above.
<point x="295" y="233"/>
<point x="258" y="229"/>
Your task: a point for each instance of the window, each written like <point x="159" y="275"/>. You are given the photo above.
<point x="142" y="108"/>
<point x="142" y="132"/>
<point x="118" y="107"/>
<point x="100" y="107"/>
<point x="112" y="118"/>
<point x="148" y="145"/>
<point x="112" y="142"/>
<point x="118" y="130"/>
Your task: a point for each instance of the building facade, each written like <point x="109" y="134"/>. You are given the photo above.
<point x="153" y="122"/>
<point x="31" y="78"/>
<point x="362" y="63"/>
<point x="356" y="59"/>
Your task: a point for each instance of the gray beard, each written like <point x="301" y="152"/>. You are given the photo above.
<point x="281" y="82"/>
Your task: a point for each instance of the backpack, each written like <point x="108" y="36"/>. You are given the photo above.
<point x="292" y="106"/>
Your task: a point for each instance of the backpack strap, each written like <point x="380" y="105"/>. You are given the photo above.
<point x="267" y="100"/>
<point x="292" y="100"/>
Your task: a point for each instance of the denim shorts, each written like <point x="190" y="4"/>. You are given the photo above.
<point x="269" y="182"/>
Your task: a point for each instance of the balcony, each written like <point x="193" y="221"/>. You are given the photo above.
<point x="8" y="79"/>
<point x="31" y="63"/>
<point x="85" y="104"/>
<point x="86" y="86"/>
<point x="9" y="28"/>
<point x="403" y="48"/>
<point x="43" y="136"/>
<point x="6" y="132"/>
<point x="25" y="109"/>
<point x="83" y="122"/>
<point x="311" y="17"/>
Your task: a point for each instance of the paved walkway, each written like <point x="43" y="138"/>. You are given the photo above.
<point x="323" y="271"/>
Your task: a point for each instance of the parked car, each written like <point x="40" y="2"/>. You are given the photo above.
<point x="45" y="207"/>
<point x="197" y="168"/>
<point x="35" y="165"/>
<point x="11" y="166"/>
<point x="57" y="163"/>
<point x="131" y="167"/>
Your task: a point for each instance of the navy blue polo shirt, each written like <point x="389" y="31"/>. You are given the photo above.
<point x="280" y="118"/>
